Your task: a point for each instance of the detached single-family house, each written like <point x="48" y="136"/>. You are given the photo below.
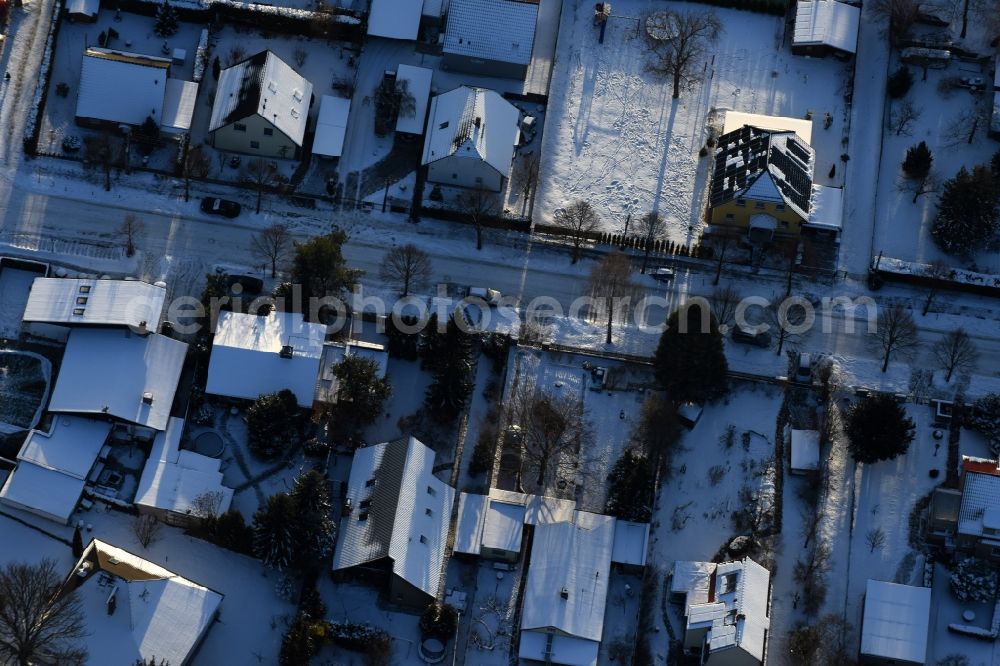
<point x="824" y="27"/>
<point x="53" y="467"/>
<point x="492" y="526"/>
<point x="969" y="520"/>
<point x="471" y="136"/>
<point x="395" y="524"/>
<point x="257" y="354"/>
<point x="56" y="305"/>
<point x="762" y="180"/>
<point x="261" y="108"/>
<point x="726" y="610"/>
<point x="120" y="374"/>
<point x="490" y="37"/>
<point x="895" y="624"/>
<point x="174" y="479"/>
<point x="134" y="610"/>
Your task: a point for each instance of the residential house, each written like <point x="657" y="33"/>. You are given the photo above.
<point x="762" y="180"/>
<point x="56" y="305"/>
<point x="134" y="610"/>
<point x="824" y="27"/>
<point x="174" y="481"/>
<point x="257" y="354"/>
<point x="261" y="108"/>
<point x="726" y="610"/>
<point x="120" y="374"/>
<point x="895" y="623"/>
<point x="120" y="88"/>
<point x="471" y="137"/>
<point x="975" y="526"/>
<point x="490" y="37"/>
<point x="54" y="467"/>
<point x="492" y="526"/>
<point x="396" y="520"/>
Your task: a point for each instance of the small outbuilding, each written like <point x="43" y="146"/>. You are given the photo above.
<point x="804" y="445"/>
<point x="824" y="27"/>
<point x="395" y="19"/>
<point x="490" y="37"/>
<point x="895" y="623"/>
<point x="331" y="126"/>
<point x="83" y="11"/>
<point x="418" y="83"/>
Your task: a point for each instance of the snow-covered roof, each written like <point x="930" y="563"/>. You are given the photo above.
<point x="736" y="610"/>
<point x="539" y="509"/>
<point x="116" y="372"/>
<point x="827" y="22"/>
<point x="805" y="450"/>
<point x="896" y="621"/>
<point x="97" y="302"/>
<point x="980" y="494"/>
<point x="469" y="528"/>
<point x="567" y="650"/>
<point x="400" y="510"/>
<point x="501" y="30"/>
<point x="503" y="526"/>
<point x="263" y="85"/>
<point x="84" y="7"/>
<point x="432" y="8"/>
<point x="692" y="579"/>
<point x="246" y="359"/>
<point x="567" y="584"/>
<point x="738" y="119"/>
<point x="334" y="352"/>
<point x="172" y="479"/>
<point x="472" y="123"/>
<point x="121" y="87"/>
<point x="157" y="613"/>
<point x="47" y="492"/>
<point x="178" y="105"/>
<point x="71" y="445"/>
<point x="827" y="207"/>
<point x="631" y="542"/>
<point x="331" y="126"/>
<point x="418" y="80"/>
<point x="395" y="19"/>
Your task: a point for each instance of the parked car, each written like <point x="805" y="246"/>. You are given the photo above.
<point x="491" y="296"/>
<point x="805" y="366"/>
<point x="973" y="82"/>
<point x="217" y="206"/>
<point x="751" y="336"/>
<point x="663" y="274"/>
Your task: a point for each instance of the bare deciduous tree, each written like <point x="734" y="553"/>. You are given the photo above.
<point x="903" y="117"/>
<point x="925" y="184"/>
<point x="407" y="267"/>
<point x="272" y="245"/>
<point x="901" y="15"/>
<point x="723" y="302"/>
<point x="611" y="285"/>
<point x="651" y="227"/>
<point x="262" y="174"/>
<point x="105" y="149"/>
<point x="680" y="40"/>
<point x="896" y="332"/>
<point x="207" y="504"/>
<point x="554" y="432"/>
<point x="526" y="177"/>
<point x="579" y="219"/>
<point x="956" y="351"/>
<point x="875" y="539"/>
<point x="966" y="125"/>
<point x="937" y="271"/>
<point x="478" y="203"/>
<point x="721" y="244"/>
<point x="39" y="624"/>
<point x="130" y="230"/>
<point x="145" y="528"/>
<point x="196" y="165"/>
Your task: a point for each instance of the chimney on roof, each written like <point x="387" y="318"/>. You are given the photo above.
<point x="286" y="351"/>
<point x="564" y="593"/>
<point x="479" y="121"/>
<point x="141" y="329"/>
<point x="147" y="398"/>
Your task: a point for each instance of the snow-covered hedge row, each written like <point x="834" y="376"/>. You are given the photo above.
<point x="354" y="635"/>
<point x="975" y="632"/>
<point x="31" y="128"/>
<point x="201" y="57"/>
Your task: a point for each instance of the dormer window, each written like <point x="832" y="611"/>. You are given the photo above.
<point x="431" y="491"/>
<point x="84" y="288"/>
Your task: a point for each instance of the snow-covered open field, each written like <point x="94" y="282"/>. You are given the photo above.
<point x="615" y="137"/>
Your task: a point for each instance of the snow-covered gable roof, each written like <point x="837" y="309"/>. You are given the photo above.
<point x="116" y="372"/>
<point x="178" y="105"/>
<point x="47" y="492"/>
<point x="567" y="584"/>
<point x="172" y="479"/>
<point x="896" y="621"/>
<point x="121" y="87"/>
<point x="157" y="613"/>
<point x="418" y="81"/>
<point x="400" y="510"/>
<point x="827" y="207"/>
<point x="395" y="19"/>
<point x="827" y="22"/>
<point x="805" y="450"/>
<point x="631" y="542"/>
<point x="246" y="359"/>
<point x="472" y="123"/>
<point x="94" y="302"/>
<point x="331" y="126"/>
<point x="501" y="30"/>
<point x="263" y="85"/>
<point x="764" y="165"/>
<point x="980" y="494"/>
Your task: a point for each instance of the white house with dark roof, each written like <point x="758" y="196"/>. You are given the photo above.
<point x="470" y="139"/>
<point x="57" y="304"/>
<point x="261" y="108"/>
<point x="490" y="37"/>
<point x="136" y="610"/>
<point x="120" y="374"/>
<point x="396" y="519"/>
<point x="726" y="610"/>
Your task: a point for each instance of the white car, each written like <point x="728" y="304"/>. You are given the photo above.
<point x="663" y="274"/>
<point x="491" y="296"/>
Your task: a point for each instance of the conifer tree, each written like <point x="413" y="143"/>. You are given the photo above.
<point x="918" y="161"/>
<point x="690" y="361"/>
<point x="166" y="21"/>
<point x="274" y="538"/>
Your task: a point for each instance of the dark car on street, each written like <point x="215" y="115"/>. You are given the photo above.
<point x="217" y="206"/>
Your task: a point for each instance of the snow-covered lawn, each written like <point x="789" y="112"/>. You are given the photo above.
<point x="615" y="137"/>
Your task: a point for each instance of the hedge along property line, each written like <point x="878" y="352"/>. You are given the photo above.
<point x="773" y="7"/>
<point x="32" y="128"/>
